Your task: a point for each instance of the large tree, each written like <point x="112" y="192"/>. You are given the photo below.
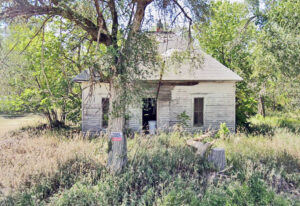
<point x="227" y="35"/>
<point x="117" y="26"/>
<point x="39" y="78"/>
<point x="276" y="55"/>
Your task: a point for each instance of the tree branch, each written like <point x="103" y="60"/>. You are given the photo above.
<point x="65" y="12"/>
<point x="114" y="15"/>
<point x="37" y="33"/>
<point x="187" y="16"/>
<point x="100" y="18"/>
<point x="139" y="14"/>
<point x="183" y="11"/>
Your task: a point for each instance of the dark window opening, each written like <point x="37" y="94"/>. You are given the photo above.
<point x="149" y="112"/>
<point x="198" y="111"/>
<point x="105" y="110"/>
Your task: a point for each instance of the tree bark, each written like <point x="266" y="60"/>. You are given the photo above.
<point x="217" y="157"/>
<point x="117" y="156"/>
<point x="261" y="106"/>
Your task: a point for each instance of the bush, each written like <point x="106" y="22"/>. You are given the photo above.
<point x="223" y="131"/>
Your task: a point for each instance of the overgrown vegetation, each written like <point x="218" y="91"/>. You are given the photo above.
<point x="258" y="40"/>
<point x="63" y="168"/>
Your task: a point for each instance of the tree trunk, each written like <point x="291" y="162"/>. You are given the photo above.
<point x="217" y="157"/>
<point x="117" y="156"/>
<point x="48" y="115"/>
<point x="261" y="106"/>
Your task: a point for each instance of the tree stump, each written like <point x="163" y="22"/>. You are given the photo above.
<point x="217" y="157"/>
<point x="199" y="146"/>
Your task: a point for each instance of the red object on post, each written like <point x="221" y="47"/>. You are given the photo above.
<point x="116" y="136"/>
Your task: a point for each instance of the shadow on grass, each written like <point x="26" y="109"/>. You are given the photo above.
<point x="40" y="129"/>
<point x="290" y="124"/>
<point x="266" y="126"/>
<point x="7" y="116"/>
<point x="260" y="129"/>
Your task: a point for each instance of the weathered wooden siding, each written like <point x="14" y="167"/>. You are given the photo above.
<point x="219" y="103"/>
<point x="163" y="107"/>
<point x="135" y="117"/>
<point x="91" y="106"/>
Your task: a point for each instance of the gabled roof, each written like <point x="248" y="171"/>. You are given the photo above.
<point x="210" y="69"/>
<point x="85" y="76"/>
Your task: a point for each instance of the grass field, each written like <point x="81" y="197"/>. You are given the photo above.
<point x="61" y="167"/>
<point x="9" y="123"/>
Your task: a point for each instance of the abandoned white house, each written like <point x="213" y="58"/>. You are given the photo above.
<point x="206" y="95"/>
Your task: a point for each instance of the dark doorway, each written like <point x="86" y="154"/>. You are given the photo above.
<point x="149" y="112"/>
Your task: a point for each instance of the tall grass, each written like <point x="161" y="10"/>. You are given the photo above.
<point x="275" y="158"/>
<point x="28" y="154"/>
<point x="63" y="168"/>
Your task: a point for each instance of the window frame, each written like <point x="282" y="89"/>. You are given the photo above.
<point x="193" y="111"/>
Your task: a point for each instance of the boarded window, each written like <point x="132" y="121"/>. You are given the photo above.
<point x="198" y="111"/>
<point x="105" y="109"/>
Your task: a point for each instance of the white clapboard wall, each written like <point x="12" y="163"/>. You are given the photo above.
<point x="219" y="105"/>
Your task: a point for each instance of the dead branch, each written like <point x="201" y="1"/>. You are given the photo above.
<point x="202" y="148"/>
<point x="206" y="135"/>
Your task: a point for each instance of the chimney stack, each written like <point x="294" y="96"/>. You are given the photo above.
<point x="159" y="26"/>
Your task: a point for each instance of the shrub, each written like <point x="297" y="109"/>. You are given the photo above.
<point x="183" y="119"/>
<point x="223" y="131"/>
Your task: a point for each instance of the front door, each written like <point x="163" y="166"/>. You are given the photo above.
<point x="149" y="112"/>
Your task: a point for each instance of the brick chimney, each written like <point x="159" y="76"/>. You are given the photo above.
<point x="159" y="26"/>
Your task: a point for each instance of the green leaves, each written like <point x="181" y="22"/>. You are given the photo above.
<point x="261" y="45"/>
<point x="43" y="83"/>
<point x="228" y="38"/>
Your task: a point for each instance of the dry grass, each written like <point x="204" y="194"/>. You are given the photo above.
<point x="26" y="154"/>
<point x="10" y="123"/>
